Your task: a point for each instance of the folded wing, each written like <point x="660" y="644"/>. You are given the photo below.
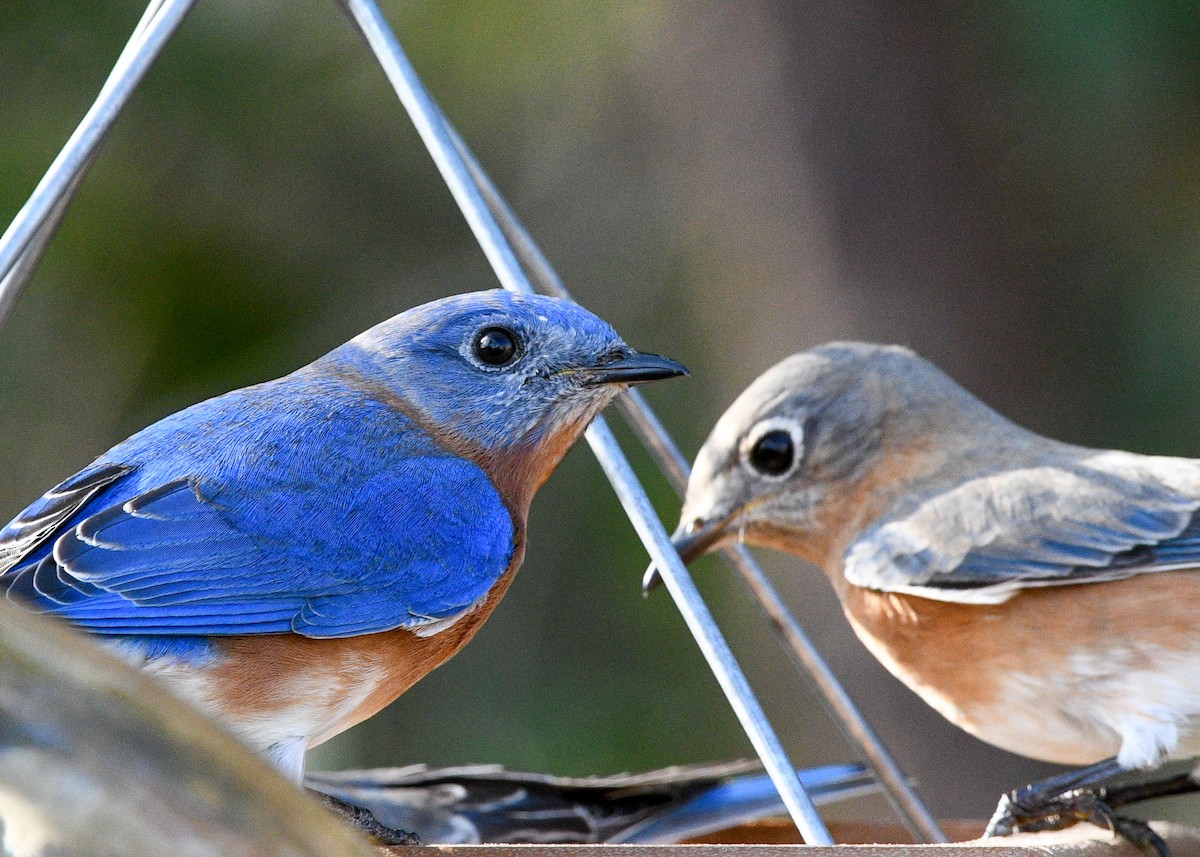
<point x="1104" y="518"/>
<point x="408" y="547"/>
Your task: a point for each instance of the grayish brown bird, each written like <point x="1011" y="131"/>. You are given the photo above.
<point x="1040" y="595"/>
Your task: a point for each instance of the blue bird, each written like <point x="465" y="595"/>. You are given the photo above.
<point x="294" y="555"/>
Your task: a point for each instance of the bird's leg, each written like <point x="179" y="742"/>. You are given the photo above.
<point x="365" y="821"/>
<point x="1079" y="805"/>
<point x="1022" y="807"/>
<point x="1066" y="799"/>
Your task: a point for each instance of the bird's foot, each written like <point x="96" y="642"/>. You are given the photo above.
<point x="365" y="821"/>
<point x="1024" y="810"/>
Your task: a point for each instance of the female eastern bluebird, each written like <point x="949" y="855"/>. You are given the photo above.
<point x="294" y="555"/>
<point x="1014" y="582"/>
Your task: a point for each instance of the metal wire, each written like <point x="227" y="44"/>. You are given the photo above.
<point x="435" y="133"/>
<point x="13" y="283"/>
<point x="25" y="240"/>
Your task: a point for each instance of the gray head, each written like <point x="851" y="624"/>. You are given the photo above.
<point x="783" y="461"/>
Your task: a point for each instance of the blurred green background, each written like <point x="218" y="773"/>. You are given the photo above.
<point x="1011" y="188"/>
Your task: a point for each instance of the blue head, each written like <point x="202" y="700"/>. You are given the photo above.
<point x="508" y="380"/>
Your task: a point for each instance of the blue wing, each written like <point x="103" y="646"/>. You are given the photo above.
<point x="1105" y="518"/>
<point x="402" y="536"/>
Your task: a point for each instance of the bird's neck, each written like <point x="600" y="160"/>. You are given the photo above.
<point x="519" y="470"/>
<point x="847" y="511"/>
<point x="516" y="470"/>
<point x="909" y="474"/>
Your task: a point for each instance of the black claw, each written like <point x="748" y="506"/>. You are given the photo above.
<point x="1140" y="834"/>
<point x="365" y="821"/>
<point x="1071" y="797"/>
<point x="1020" y="811"/>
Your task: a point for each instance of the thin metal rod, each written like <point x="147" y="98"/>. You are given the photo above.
<point x="434" y="131"/>
<point x="13" y="283"/>
<point x="654" y="436"/>
<point x="26" y="238"/>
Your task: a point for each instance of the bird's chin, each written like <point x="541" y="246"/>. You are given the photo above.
<point x="763" y="534"/>
<point x="561" y="432"/>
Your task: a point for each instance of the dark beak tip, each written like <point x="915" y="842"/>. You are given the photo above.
<point x="651" y="580"/>
<point x="680" y="370"/>
<point x="643" y="367"/>
<point x="638" y="368"/>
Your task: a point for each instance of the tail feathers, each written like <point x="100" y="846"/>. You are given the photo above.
<point x="488" y="803"/>
<point x="746" y="799"/>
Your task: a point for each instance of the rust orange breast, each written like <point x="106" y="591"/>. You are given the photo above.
<point x="332" y="684"/>
<point x="962" y="653"/>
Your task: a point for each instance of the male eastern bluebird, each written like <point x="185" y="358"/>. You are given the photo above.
<point x="294" y="555"/>
<point x="473" y="804"/>
<point x="1019" y="585"/>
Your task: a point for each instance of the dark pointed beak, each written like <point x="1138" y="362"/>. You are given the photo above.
<point x="634" y="368"/>
<point x="691" y="541"/>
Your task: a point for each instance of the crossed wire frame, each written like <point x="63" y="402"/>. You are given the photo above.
<point x="520" y="267"/>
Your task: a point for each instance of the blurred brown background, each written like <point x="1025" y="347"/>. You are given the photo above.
<point x="1010" y="188"/>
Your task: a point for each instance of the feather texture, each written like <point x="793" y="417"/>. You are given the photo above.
<point x="1106" y="517"/>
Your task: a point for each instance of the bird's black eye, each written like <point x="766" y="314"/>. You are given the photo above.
<point x="497" y="346"/>
<point x="773" y="453"/>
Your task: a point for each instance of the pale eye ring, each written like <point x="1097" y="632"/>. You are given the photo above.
<point x="774" y="448"/>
